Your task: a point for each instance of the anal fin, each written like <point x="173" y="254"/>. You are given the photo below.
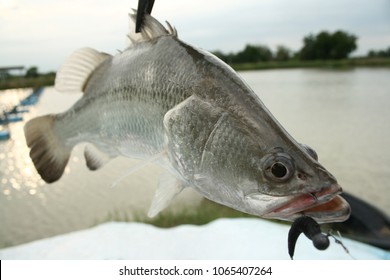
<point x="94" y="158"/>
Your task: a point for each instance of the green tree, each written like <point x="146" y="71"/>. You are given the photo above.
<point x="342" y="44"/>
<point x="253" y="53"/>
<point x="32" y="72"/>
<point x="265" y="53"/>
<point x="309" y="48"/>
<point x="282" y="53"/>
<point x="228" y="58"/>
<point x="326" y="45"/>
<point x="379" y="53"/>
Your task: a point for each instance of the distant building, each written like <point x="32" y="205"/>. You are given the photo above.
<point x="11" y="71"/>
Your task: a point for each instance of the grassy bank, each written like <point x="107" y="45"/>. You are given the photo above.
<point x="23" y="82"/>
<point x="206" y="212"/>
<point x="337" y="64"/>
<point x="48" y="79"/>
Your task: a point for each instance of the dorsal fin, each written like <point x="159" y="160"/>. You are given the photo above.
<point x="74" y="73"/>
<point x="150" y="29"/>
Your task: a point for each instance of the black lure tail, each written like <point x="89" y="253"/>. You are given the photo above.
<point x="312" y="231"/>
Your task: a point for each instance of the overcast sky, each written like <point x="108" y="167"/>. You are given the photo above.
<point x="44" y="32"/>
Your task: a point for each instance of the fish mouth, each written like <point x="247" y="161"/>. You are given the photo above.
<point x="324" y="206"/>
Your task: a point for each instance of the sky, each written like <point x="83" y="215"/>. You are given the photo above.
<point x="43" y="33"/>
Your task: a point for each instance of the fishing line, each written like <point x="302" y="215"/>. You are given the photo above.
<point x="137" y="167"/>
<point x="338" y="241"/>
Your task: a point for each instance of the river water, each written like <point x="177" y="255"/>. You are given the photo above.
<point x="343" y="114"/>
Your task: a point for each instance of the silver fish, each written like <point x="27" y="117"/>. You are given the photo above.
<point x="164" y="101"/>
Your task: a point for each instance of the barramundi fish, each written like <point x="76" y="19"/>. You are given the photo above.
<point x="164" y="101"/>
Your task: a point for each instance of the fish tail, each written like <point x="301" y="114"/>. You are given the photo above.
<point x="48" y="153"/>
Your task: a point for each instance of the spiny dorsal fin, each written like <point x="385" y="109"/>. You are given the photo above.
<point x="74" y="73"/>
<point x="150" y="29"/>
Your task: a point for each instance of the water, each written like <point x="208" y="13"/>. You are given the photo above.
<point x="343" y="115"/>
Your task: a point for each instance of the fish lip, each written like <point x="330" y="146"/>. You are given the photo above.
<point x="324" y="206"/>
<point x="334" y="210"/>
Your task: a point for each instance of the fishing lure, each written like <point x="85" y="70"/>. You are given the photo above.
<point x="311" y="229"/>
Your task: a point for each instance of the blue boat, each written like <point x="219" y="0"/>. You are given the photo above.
<point x="4" y="135"/>
<point x="19" y="109"/>
<point x="33" y="98"/>
<point x="8" y="118"/>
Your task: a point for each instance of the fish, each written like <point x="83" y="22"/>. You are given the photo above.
<point x="164" y="101"/>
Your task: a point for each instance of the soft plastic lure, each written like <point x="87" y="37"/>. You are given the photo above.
<point x="311" y="229"/>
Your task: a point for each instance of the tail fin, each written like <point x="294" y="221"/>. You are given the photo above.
<point x="48" y="153"/>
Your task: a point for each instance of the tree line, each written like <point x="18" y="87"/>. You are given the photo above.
<point x="379" y="53"/>
<point x="322" y="46"/>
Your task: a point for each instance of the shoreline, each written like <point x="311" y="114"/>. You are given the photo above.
<point x="48" y="79"/>
<point x="23" y="82"/>
<point x="333" y="64"/>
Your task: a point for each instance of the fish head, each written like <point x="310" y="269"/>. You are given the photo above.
<point x="257" y="169"/>
<point x="291" y="182"/>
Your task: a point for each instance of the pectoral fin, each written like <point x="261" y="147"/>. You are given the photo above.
<point x="188" y="128"/>
<point x="168" y="188"/>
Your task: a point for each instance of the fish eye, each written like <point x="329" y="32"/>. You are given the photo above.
<point x="279" y="170"/>
<point x="279" y="167"/>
